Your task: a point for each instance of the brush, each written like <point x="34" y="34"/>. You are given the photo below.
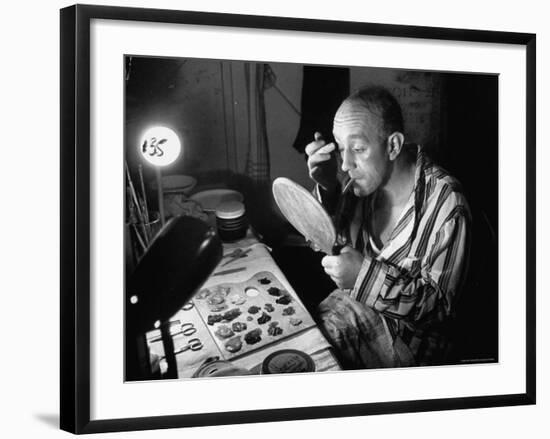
<point x="338" y="217"/>
<point x="347" y="186"/>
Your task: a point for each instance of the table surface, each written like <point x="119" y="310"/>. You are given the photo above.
<point x="258" y="259"/>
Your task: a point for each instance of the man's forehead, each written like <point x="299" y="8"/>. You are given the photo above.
<point x="354" y="117"/>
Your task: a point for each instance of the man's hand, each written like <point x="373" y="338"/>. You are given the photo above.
<point x="321" y="163"/>
<point x="344" y="268"/>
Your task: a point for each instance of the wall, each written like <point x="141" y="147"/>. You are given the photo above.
<point x="206" y="102"/>
<point x="419" y="94"/>
<point x="186" y="95"/>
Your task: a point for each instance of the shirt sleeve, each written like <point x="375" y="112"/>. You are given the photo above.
<point x="328" y="200"/>
<point x="421" y="286"/>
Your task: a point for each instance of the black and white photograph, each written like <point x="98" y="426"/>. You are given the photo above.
<point x="278" y="219"/>
<point x="305" y="218"/>
<point x="271" y="219"/>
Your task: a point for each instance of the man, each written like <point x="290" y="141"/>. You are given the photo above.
<point x="407" y="226"/>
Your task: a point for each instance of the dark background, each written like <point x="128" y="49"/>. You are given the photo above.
<point x="454" y="116"/>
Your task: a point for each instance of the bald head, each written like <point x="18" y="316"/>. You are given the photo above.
<point x="355" y="120"/>
<point x="379" y="104"/>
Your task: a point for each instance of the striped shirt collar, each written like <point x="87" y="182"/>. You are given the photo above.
<point x="405" y="230"/>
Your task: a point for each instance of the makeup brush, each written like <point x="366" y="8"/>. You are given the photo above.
<point x="347" y="186"/>
<point x="343" y="205"/>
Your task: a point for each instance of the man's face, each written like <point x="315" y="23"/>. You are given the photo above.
<point x="362" y="147"/>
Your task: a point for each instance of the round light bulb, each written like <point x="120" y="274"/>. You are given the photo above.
<point x="160" y="146"/>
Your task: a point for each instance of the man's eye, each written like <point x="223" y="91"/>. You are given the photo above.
<point x="358" y="149"/>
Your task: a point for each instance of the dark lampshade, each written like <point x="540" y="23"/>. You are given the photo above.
<point x="179" y="260"/>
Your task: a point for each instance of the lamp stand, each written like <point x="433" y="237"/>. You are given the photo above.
<point x="160" y="193"/>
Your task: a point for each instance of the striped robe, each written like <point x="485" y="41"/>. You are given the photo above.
<point x="398" y="310"/>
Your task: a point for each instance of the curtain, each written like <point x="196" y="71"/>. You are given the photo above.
<point x="323" y="90"/>
<point x="257" y="160"/>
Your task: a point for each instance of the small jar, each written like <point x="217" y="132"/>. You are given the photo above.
<point x="288" y="361"/>
<point x="231" y="221"/>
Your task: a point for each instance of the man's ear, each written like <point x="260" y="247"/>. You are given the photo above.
<point x="395" y="143"/>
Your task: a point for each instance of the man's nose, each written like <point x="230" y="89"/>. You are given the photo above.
<point x="347" y="161"/>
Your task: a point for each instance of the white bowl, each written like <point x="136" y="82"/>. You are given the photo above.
<point x="210" y="199"/>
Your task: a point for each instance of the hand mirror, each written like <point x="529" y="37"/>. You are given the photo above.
<point x="306" y="214"/>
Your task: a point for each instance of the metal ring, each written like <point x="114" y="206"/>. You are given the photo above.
<point x="188" y="306"/>
<point x="194" y="344"/>
<point x="188" y="329"/>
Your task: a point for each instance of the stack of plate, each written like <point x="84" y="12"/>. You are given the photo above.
<point x="210" y="199"/>
<point x="231" y="221"/>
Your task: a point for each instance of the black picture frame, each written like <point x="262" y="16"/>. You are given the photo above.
<point x="75" y="217"/>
